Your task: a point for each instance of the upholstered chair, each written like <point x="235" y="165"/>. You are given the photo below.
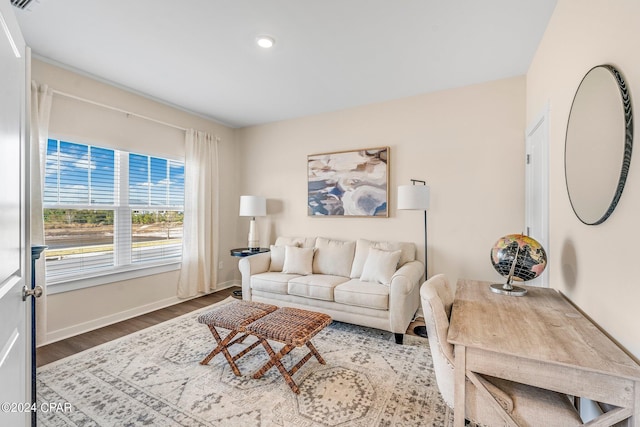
<point x="527" y="405"/>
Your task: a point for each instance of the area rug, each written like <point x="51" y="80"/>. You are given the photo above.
<point x="153" y="378"/>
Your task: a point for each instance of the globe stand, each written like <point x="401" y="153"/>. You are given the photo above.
<point x="508" y="289"/>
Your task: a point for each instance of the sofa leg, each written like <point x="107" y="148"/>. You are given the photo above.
<point x="399" y="338"/>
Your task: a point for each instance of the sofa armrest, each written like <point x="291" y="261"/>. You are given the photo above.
<point x="250" y="265"/>
<point x="404" y="295"/>
<point x="407" y="277"/>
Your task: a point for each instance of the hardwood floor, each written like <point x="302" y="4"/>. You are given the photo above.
<point x="60" y="349"/>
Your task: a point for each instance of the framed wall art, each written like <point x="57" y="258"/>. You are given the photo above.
<point x="349" y="183"/>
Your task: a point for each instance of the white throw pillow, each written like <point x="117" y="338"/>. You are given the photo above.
<point x="333" y="257"/>
<point x="298" y="260"/>
<point x="380" y="266"/>
<point x="277" y="258"/>
<point x="362" y="251"/>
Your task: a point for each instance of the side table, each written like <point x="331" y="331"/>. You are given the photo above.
<point x="244" y="252"/>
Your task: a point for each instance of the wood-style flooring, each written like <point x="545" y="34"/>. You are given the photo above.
<point x="61" y="349"/>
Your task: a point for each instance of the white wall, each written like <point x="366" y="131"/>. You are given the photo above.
<point x="74" y="312"/>
<point x="467" y="143"/>
<point x="594" y="265"/>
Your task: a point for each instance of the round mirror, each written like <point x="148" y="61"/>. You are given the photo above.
<point x="598" y="144"/>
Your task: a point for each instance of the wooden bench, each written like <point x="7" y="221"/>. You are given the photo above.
<point x="234" y="316"/>
<point x="294" y="328"/>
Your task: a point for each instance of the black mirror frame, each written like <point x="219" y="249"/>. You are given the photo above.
<point x="628" y="143"/>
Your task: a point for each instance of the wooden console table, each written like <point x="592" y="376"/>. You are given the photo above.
<point x="540" y="339"/>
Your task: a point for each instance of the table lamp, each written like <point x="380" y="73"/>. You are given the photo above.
<point x="253" y="206"/>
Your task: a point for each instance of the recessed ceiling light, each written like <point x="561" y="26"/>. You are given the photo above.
<point x="265" y="41"/>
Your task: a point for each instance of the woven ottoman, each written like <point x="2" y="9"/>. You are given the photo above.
<point x="234" y="316"/>
<point x="294" y="328"/>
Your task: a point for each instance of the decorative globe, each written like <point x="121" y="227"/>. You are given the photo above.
<point x="530" y="257"/>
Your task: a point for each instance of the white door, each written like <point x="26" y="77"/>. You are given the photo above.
<point x="15" y="365"/>
<point x="537" y="187"/>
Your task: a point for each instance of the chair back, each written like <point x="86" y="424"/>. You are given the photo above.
<point x="437" y="299"/>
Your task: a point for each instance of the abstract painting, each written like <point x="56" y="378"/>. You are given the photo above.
<point x="349" y="183"/>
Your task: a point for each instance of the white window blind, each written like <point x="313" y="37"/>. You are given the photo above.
<point x="108" y="210"/>
<point x="156" y="198"/>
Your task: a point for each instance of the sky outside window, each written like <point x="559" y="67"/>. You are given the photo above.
<point x="138" y="179"/>
<point x="159" y="182"/>
<point x="176" y="189"/>
<point x="78" y="174"/>
<point x="155" y="182"/>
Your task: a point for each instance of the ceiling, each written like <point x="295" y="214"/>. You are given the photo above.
<point x="329" y="55"/>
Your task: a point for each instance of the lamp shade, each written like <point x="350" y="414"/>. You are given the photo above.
<point x="253" y="206"/>
<point x="413" y="197"/>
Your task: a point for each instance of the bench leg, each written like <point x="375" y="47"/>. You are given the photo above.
<point x="223" y="346"/>
<point x="275" y="359"/>
<point x="313" y="351"/>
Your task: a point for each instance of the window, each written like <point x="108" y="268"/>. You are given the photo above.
<point x="156" y="196"/>
<point x="108" y="210"/>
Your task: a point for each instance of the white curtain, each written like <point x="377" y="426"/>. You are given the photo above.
<point x="200" y="239"/>
<point x="41" y="97"/>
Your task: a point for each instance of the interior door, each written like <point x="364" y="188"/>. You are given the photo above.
<point x="537" y="187"/>
<point x="15" y="365"/>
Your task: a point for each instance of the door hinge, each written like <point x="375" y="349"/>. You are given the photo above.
<point x="528" y="158"/>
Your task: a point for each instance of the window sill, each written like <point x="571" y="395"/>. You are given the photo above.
<point x="67" y="285"/>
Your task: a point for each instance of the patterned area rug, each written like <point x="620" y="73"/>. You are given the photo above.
<point x="153" y="378"/>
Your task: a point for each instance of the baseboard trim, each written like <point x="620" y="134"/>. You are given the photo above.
<point x="228" y="284"/>
<point x="101" y="322"/>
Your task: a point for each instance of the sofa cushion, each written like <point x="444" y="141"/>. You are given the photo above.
<point x="408" y="253"/>
<point x="380" y="266"/>
<point x="277" y="256"/>
<point x="315" y="286"/>
<point x="298" y="260"/>
<point x="276" y="283"/>
<point x="333" y="257"/>
<point x="362" y="294"/>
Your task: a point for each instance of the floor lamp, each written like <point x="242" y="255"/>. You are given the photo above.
<point x="253" y="206"/>
<point x="416" y="197"/>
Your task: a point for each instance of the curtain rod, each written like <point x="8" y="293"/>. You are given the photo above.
<point x="110" y="107"/>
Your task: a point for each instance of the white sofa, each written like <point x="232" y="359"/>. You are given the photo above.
<point x="374" y="284"/>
